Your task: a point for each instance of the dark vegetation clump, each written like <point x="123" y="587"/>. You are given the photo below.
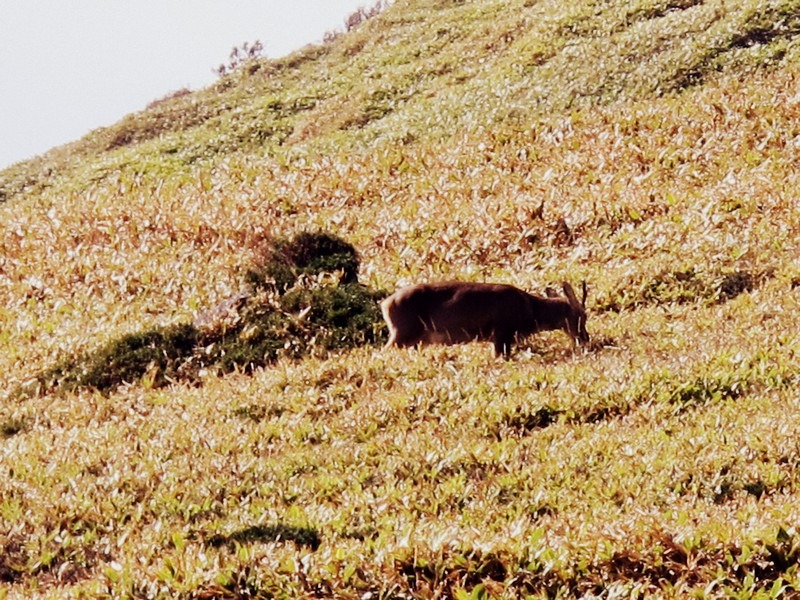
<point x="523" y="421"/>
<point x="279" y="263"/>
<point x="159" y="351"/>
<point x="738" y="282"/>
<point x="464" y="568"/>
<point x="12" y="427"/>
<point x="683" y="286"/>
<point x="304" y="298"/>
<point x="258" y="412"/>
<point x="301" y="536"/>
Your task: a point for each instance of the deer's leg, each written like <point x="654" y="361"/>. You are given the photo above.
<point x="502" y="344"/>
<point x="392" y="337"/>
<point x="405" y="337"/>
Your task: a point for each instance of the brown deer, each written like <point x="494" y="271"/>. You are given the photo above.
<point x="457" y="312"/>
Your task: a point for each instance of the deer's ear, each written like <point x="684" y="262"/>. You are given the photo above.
<point x="573" y="300"/>
<point x="550" y="292"/>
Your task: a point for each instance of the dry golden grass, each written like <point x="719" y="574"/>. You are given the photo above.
<point x="661" y="462"/>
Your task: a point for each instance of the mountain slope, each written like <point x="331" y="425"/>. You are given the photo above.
<point x="648" y="147"/>
<point x="429" y="69"/>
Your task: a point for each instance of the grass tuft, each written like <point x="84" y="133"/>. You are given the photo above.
<point x="302" y="536"/>
<point x="12" y="426"/>
<point x="281" y="262"/>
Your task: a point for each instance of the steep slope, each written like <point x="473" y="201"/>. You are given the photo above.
<point x="426" y="70"/>
<point x="649" y="147"/>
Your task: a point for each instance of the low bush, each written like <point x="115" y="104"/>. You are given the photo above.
<point x="305" y="299"/>
<point x="277" y="264"/>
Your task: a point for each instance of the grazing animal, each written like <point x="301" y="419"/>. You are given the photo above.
<point x="457" y="312"/>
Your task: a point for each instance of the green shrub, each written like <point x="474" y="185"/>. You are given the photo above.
<point x="127" y="359"/>
<point x="314" y="314"/>
<point x="279" y="263"/>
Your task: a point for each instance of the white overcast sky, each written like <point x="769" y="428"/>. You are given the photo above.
<point x="70" y="66"/>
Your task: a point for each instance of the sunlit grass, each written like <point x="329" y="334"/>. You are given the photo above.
<point x="649" y="148"/>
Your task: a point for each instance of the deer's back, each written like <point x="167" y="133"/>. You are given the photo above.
<point x="458" y="311"/>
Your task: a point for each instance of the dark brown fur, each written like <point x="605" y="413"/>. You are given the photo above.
<point x="458" y="312"/>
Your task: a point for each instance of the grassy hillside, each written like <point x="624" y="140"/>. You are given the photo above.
<point x="648" y="147"/>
